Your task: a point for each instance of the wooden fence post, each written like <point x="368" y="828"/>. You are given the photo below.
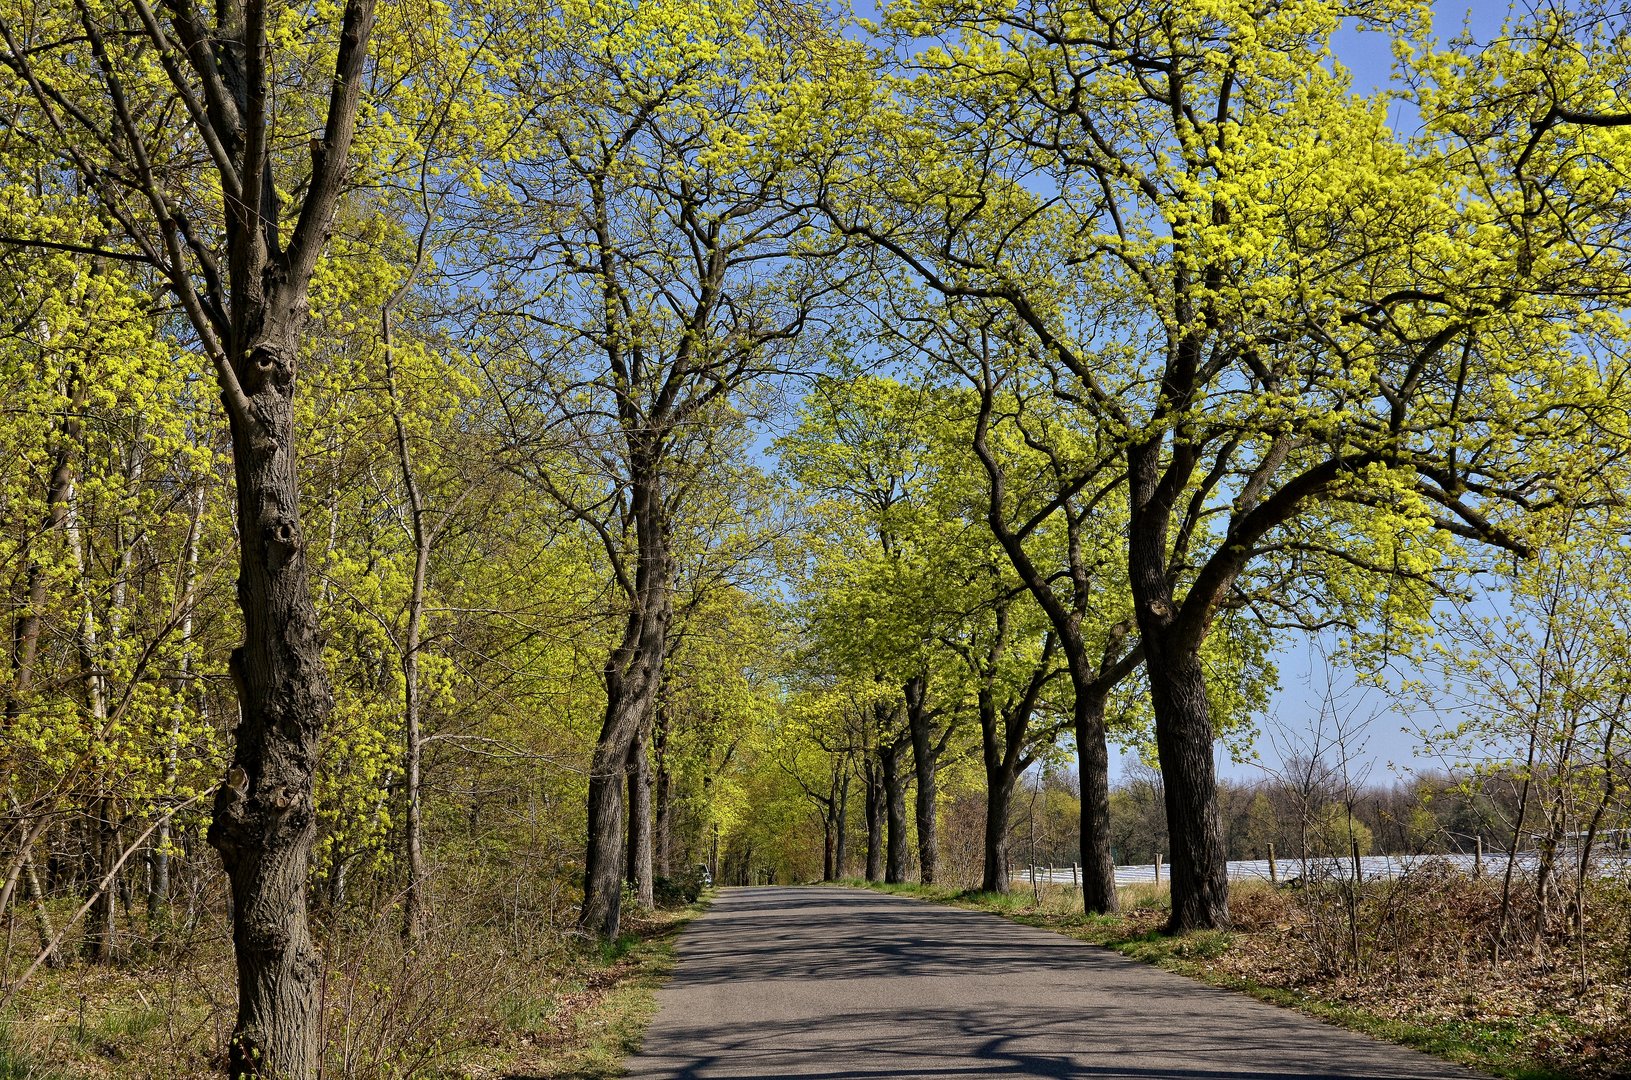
<point x="1158" y="868"/>
<point x="1274" y="874"/>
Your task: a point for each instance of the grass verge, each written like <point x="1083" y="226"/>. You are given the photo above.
<point x="1531" y="1044"/>
<point x="599" y="1013"/>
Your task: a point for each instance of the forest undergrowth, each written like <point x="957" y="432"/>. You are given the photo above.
<point x="519" y="1004"/>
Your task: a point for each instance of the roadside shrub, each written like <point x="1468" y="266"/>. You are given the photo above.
<point x="1254" y="907"/>
<point x="678" y="890"/>
<point x="394" y="1010"/>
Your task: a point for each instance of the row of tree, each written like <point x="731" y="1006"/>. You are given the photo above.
<point x="1307" y="816"/>
<point x="447" y="332"/>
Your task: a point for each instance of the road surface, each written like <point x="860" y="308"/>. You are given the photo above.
<point x="844" y="984"/>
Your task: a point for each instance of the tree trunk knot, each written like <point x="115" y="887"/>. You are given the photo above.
<point x="282" y="533"/>
<point x="273" y="368"/>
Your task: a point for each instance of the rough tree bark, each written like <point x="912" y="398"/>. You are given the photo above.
<point x="244" y="291"/>
<point x="894" y="781"/>
<point x="1183" y="716"/>
<point x="1093" y="768"/>
<point x="928" y="745"/>
<point x="633" y="673"/>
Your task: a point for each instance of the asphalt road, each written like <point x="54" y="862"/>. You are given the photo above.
<point x="842" y="984"/>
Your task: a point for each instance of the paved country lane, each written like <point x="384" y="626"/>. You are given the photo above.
<point x="844" y="984"/>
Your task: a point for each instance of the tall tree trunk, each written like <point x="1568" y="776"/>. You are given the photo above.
<point x="1001" y="758"/>
<point x="926" y="766"/>
<point x="841" y="855"/>
<point x="1184" y="734"/>
<point x="1184" y="741"/>
<point x="603" y="860"/>
<point x="894" y="786"/>
<point x="999" y="787"/>
<point x="633" y="674"/>
<point x="1066" y="615"/>
<point x="829" y="843"/>
<point x="416" y="906"/>
<point x="876" y="802"/>
<point x="98" y="942"/>
<point x="244" y="288"/>
<point x="264" y="821"/>
<point x="1093" y="771"/>
<point x="640" y="824"/>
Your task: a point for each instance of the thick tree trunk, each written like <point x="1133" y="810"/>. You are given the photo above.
<point x="1066" y="615"/>
<point x="264" y="821"/>
<point x="926" y="767"/>
<point x="249" y="320"/>
<point x="602" y="894"/>
<point x="603" y="861"/>
<point x="1183" y="716"/>
<point x="1184" y="741"/>
<point x="1093" y="770"/>
<point x="633" y="674"/>
<point x="894" y="786"/>
<point x="640" y="824"/>
<point x="1001" y="759"/>
<point x="999" y="788"/>
<point x="829" y="844"/>
<point x="876" y="801"/>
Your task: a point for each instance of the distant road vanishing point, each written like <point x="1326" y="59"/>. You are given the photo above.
<point x="844" y="984"/>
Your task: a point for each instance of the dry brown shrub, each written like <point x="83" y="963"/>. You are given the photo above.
<point x="1257" y="908"/>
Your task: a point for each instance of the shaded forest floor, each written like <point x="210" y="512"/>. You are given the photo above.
<point x="1532" y="1017"/>
<point x="550" y="1007"/>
